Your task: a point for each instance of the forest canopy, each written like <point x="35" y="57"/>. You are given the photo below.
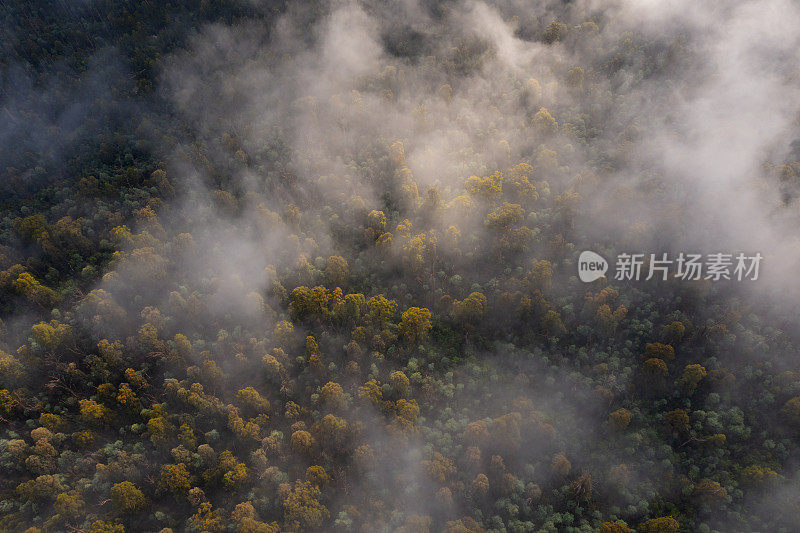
<point x="277" y="266"/>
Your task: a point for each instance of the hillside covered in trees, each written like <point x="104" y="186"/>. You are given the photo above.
<point x="313" y="266"/>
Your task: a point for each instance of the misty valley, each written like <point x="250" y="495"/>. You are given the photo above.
<point x="457" y="266"/>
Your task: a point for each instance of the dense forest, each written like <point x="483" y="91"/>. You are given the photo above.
<point x="313" y="266"/>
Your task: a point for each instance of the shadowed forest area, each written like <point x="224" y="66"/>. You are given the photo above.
<point x="313" y="266"/>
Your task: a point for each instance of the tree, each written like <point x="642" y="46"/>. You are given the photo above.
<point x="660" y="351"/>
<point x="439" y="468"/>
<point x="364" y="457"/>
<point x="407" y="412"/>
<point x="303" y="506"/>
<point x="332" y="395"/>
<point x="253" y="400"/>
<point x="691" y="378"/>
<point x="207" y="518"/>
<point x="248" y="521"/>
<point x="619" y="419"/>
<point x="654" y="373"/>
<point x="416" y="524"/>
<point x="52" y="335"/>
<point x="664" y="524"/>
<point x="534" y="88"/>
<point x="317" y="475"/>
<point x="99" y="526"/>
<point x="505" y="222"/>
<point x="560" y="464"/>
<point x="234" y="472"/>
<point x="376" y="220"/>
<point x="555" y="31"/>
<point x="33" y="227"/>
<point x="399" y="382"/>
<point x="420" y="251"/>
<point x="333" y="432"/>
<point x="607" y="321"/>
<point x="12" y="371"/>
<point x="488" y="188"/>
<point x="519" y="181"/>
<point x="541" y="275"/>
<point x="677" y="420"/>
<point x="614" y="527"/>
<point x="46" y="486"/>
<point x="505" y="217"/>
<point x="575" y="77"/>
<point x="415" y="323"/>
<point x="350" y="308"/>
<point x="337" y="270"/>
<point x="310" y="303"/>
<point x="471" y="309"/>
<point x="176" y="478"/>
<point x="301" y="441"/>
<point x="370" y="392"/>
<point x="126" y="497"/>
<point x="507" y="432"/>
<point x="673" y="333"/>
<point x="544" y="122"/>
<point x="791" y="411"/>
<point x="709" y="492"/>
<point x="582" y="486"/>
<point x="380" y="309"/>
<point x="159" y="429"/>
<point x="757" y="476"/>
<point x="551" y="324"/>
<point x="28" y="286"/>
<point x="127" y="397"/>
<point x="480" y="486"/>
<point x="444" y="498"/>
<point x="94" y="413"/>
<point x="312" y="351"/>
<point x="476" y="433"/>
